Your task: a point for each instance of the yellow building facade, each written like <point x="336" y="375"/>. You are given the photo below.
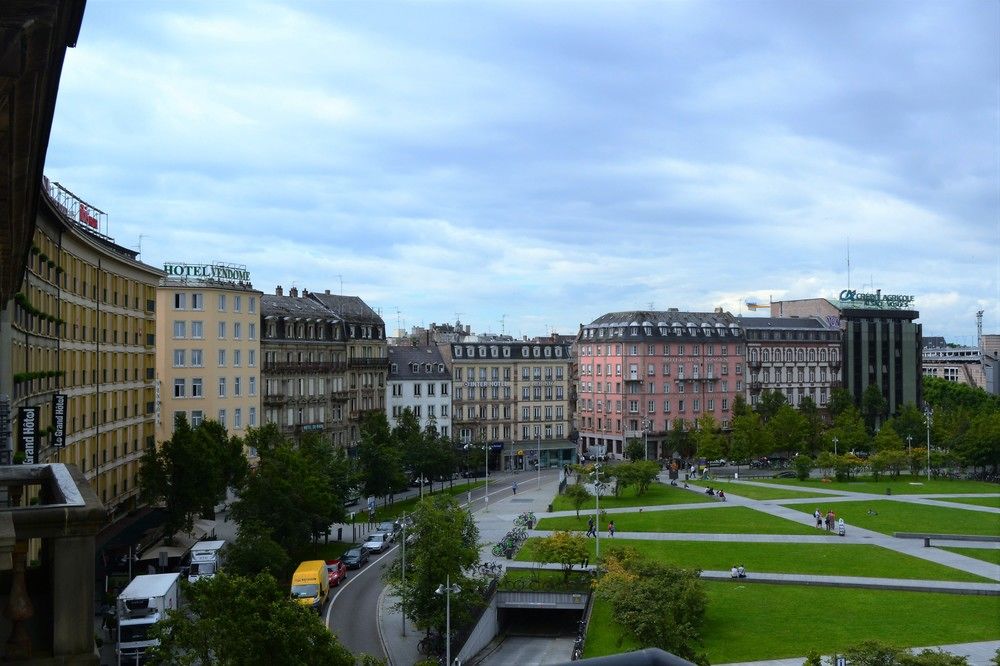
<point x="208" y="357"/>
<point x="79" y="338"/>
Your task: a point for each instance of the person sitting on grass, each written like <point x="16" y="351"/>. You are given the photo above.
<point x="734" y="572"/>
<point x="722" y="495"/>
<point x="741" y="572"/>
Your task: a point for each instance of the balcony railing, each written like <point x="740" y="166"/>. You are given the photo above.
<point x="275" y="399"/>
<point x="368" y="362"/>
<point x="294" y="367"/>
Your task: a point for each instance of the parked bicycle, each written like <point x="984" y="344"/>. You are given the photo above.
<point x="525" y="519"/>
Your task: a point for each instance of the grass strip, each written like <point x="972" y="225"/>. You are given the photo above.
<point x="656" y="495"/>
<point x="832" y="559"/>
<point x="723" y="520"/>
<point x="888" y="517"/>
<point x="904" y="485"/>
<point x="754" y="492"/>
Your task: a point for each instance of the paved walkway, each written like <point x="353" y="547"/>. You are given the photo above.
<point x="978" y="654"/>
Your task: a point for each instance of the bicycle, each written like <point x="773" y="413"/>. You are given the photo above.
<point x="431" y="644"/>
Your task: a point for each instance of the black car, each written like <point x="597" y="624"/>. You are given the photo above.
<point x="354" y="558"/>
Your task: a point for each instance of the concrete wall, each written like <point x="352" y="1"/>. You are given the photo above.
<point x="486" y="630"/>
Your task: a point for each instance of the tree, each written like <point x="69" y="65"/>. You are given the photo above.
<point x="769" y="404"/>
<point x="981" y="447"/>
<point x="709" y="443"/>
<point x="233" y="620"/>
<point x="634" y="449"/>
<point x="813" y="433"/>
<point x="254" y="551"/>
<point x="840" y="402"/>
<point x="578" y="495"/>
<point x="877" y="653"/>
<point x="566" y="548"/>
<point x="788" y="429"/>
<point x="803" y="465"/>
<point x="886" y="439"/>
<point x="873" y="406"/>
<point x="379" y="457"/>
<point x="750" y="439"/>
<point x="290" y="493"/>
<point x="740" y="406"/>
<point x="909" y="422"/>
<point x="661" y="604"/>
<point x="191" y="471"/>
<point x="826" y="461"/>
<point x="849" y="430"/>
<point x="445" y="546"/>
<point x="680" y="439"/>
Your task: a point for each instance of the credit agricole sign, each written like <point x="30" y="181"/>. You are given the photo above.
<point x="850" y="298"/>
<point x="221" y="272"/>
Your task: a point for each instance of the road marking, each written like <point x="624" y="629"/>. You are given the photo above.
<point x="340" y="588"/>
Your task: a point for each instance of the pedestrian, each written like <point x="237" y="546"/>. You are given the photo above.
<point x="819" y="518"/>
<point x="514" y="487"/>
<point x="841" y="527"/>
<point x="611" y="528"/>
<point x="829" y="520"/>
<point x="590" y="527"/>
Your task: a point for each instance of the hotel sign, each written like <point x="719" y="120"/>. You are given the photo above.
<point x="29" y="432"/>
<point x="493" y="383"/>
<point x="59" y="420"/>
<point x="850" y="298"/>
<point x="221" y="272"/>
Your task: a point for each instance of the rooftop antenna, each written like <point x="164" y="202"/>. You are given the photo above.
<point x="651" y="306"/>
<point x="341" y="278"/>
<point x="848" y="262"/>
<point x="141" y="236"/>
<point x="458" y="318"/>
<point x="398" y="324"/>
<point x="503" y="317"/>
<point x="979" y="329"/>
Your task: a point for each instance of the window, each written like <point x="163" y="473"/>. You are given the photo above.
<point x="222" y="358"/>
<point x="180" y="388"/>
<point x="197" y="330"/>
<point x="196" y="358"/>
<point x="178" y="358"/>
<point x="222" y="330"/>
<point x="237" y="303"/>
<point x="416" y="390"/>
<point x="252" y="358"/>
<point x="237" y="330"/>
<point x="252" y="331"/>
<point x="197" y="416"/>
<point x="252" y="417"/>
<point x="238" y="418"/>
<point x="197" y="302"/>
<point x="180" y="329"/>
<point x="222" y="302"/>
<point x="222" y="387"/>
<point x="222" y="418"/>
<point x="252" y="304"/>
<point x="253" y="386"/>
<point x="180" y="301"/>
<point x="238" y="386"/>
<point x="236" y="358"/>
<point x="196" y="390"/>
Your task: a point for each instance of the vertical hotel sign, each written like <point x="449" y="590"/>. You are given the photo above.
<point x="29" y="432"/>
<point x="59" y="420"/>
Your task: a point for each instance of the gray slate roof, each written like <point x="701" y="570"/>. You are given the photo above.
<point x="784" y="322"/>
<point x="402" y="357"/>
<point x="293" y="306"/>
<point x="349" y="308"/>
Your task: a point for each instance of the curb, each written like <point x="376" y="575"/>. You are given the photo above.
<point x="378" y="627"/>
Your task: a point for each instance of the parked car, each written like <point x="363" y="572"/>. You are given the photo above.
<point x="355" y="557"/>
<point x="390" y="527"/>
<point x="721" y="462"/>
<point x="377" y="542"/>
<point x="474" y="473"/>
<point x="336" y="571"/>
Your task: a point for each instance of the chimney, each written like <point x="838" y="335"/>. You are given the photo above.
<point x="294" y="292"/>
<point x="305" y="292"/>
<point x="718" y="310"/>
<point x="326" y="291"/>
<point x="277" y="291"/>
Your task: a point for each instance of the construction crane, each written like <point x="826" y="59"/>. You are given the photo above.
<point x="753" y="305"/>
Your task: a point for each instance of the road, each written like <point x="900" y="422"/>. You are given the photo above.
<point x="352" y="613"/>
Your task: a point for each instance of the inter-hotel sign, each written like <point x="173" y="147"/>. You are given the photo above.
<point x="856" y="299"/>
<point x="208" y="272"/>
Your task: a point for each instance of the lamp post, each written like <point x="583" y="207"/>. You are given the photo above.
<point x="485" y="447"/>
<point x="928" y="414"/>
<point x="447" y="590"/>
<point x="402" y="601"/>
<point x="909" y="445"/>
<point x="835" y="440"/>
<point x="645" y="443"/>
<point x="538" y="461"/>
<point x="597" y="509"/>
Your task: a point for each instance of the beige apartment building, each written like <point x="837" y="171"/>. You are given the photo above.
<point x="208" y="360"/>
<point x="78" y="343"/>
<point x="515" y="396"/>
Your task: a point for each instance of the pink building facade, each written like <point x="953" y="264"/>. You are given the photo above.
<point x="643" y="373"/>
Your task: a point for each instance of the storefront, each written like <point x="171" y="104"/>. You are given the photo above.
<point x="554" y="454"/>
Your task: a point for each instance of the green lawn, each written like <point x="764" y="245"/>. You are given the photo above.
<point x="749" y="622"/>
<point x="657" y="494"/>
<point x="904" y="485"/>
<point x="544" y="579"/>
<point x="979" y="501"/>
<point x="723" y="520"/>
<point x="753" y="492"/>
<point x="818" y="559"/>
<point x="905" y="517"/>
<point x="991" y="555"/>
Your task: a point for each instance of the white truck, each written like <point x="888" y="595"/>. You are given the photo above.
<point x="206" y="560"/>
<point x="141" y="605"/>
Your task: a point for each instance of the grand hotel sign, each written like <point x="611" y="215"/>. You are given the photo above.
<point x="850" y="298"/>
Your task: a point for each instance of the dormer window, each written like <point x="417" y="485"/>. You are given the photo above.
<point x="393" y="368"/>
<point x="525" y="352"/>
<point x="470" y="351"/>
<point x="494" y="351"/>
<point x="427" y="367"/>
<point x="458" y="351"/>
<point x="558" y="352"/>
<point x="506" y="352"/>
<point x="548" y="352"/>
<point x="482" y="351"/>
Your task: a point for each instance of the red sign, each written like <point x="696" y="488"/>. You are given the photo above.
<point x="86" y="217"/>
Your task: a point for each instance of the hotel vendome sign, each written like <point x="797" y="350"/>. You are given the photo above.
<point x="220" y="272"/>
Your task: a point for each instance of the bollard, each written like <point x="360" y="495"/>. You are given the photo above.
<point x="340" y="534"/>
<point x="927" y="542"/>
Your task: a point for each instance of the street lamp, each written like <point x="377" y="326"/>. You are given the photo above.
<point x="645" y="444"/>
<point x="538" y="460"/>
<point x="909" y="445"/>
<point x="835" y="440"/>
<point x="485" y="447"/>
<point x="598" y="486"/>
<point x="928" y="414"/>
<point x="447" y="590"/>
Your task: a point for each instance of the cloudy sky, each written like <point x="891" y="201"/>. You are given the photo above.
<point x="542" y="163"/>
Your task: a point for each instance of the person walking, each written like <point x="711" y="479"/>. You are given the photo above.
<point x="829" y="520"/>
<point x="513" y="487"/>
<point x="590" y="527"/>
<point x="611" y="528"/>
<point x="819" y="518"/>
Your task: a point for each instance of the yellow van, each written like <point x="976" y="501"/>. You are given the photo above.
<point x="311" y="584"/>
